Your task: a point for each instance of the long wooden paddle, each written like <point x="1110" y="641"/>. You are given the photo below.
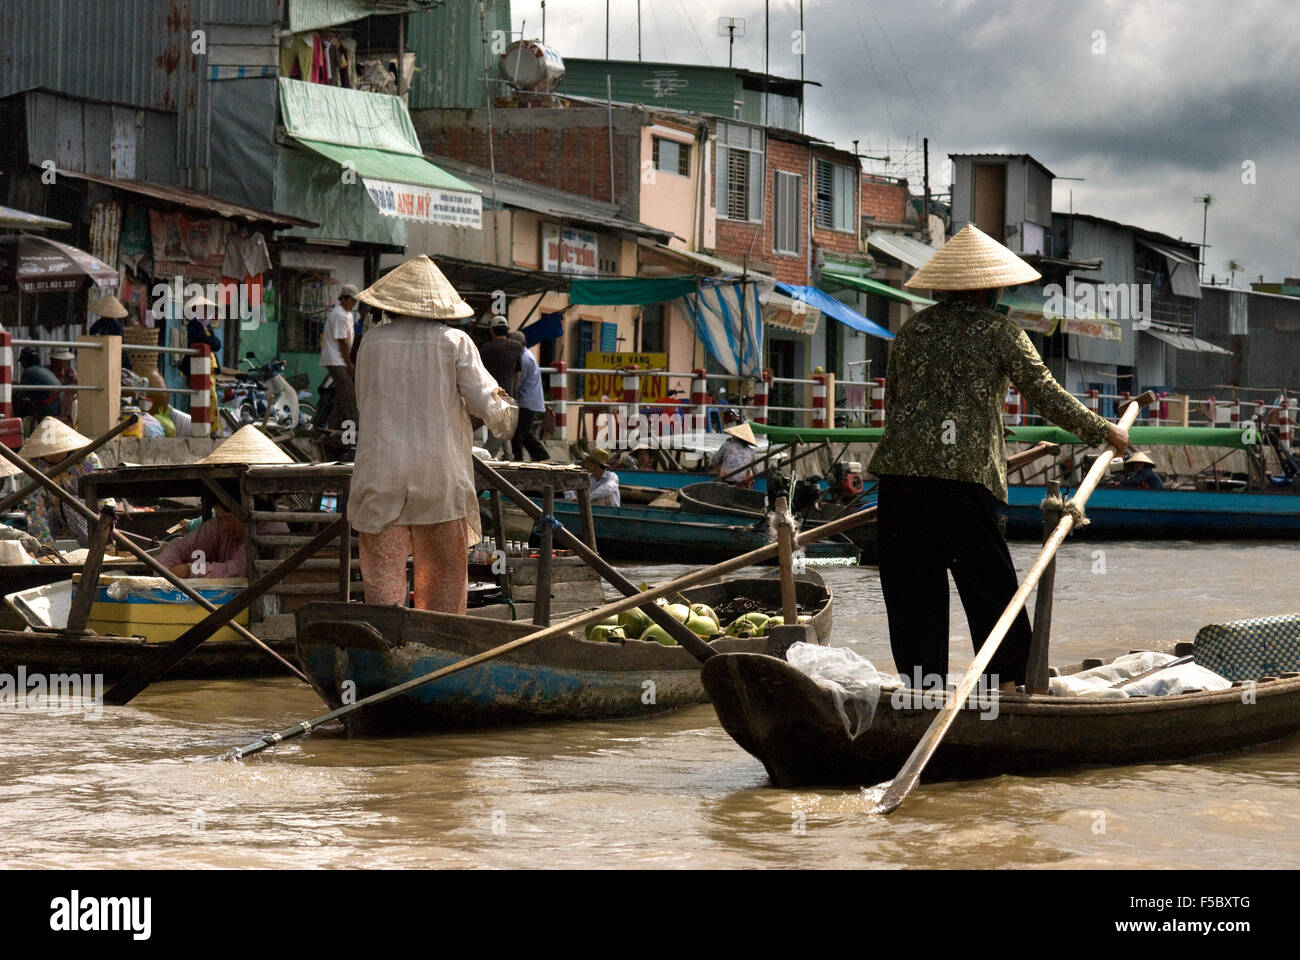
<point x="907" y="778"/>
<point x="586" y="619"/>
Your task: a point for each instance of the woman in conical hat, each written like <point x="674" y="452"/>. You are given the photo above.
<point x="942" y="458"/>
<point x="419" y="382"/>
<point x="736" y="451"/>
<point x="47" y="520"/>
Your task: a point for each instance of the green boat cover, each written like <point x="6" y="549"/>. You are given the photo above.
<point x="1141" y="436"/>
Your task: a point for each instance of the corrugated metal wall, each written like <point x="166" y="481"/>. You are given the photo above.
<point x="133" y="52"/>
<point x="448" y="46"/>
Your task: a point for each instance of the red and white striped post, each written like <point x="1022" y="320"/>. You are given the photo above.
<point x="1162" y="409"/>
<point x="6" y="375"/>
<point x="760" y="396"/>
<point x="1093" y="401"/>
<point x="1011" y="408"/>
<point x="1234" y="412"/>
<point x="560" y="399"/>
<point x="631" y="392"/>
<point x="1284" y="422"/>
<point x="819" y="401"/>
<point x="700" y="396"/>
<point x="878" y="402"/>
<point x="201" y="411"/>
<point x="1214" y="412"/>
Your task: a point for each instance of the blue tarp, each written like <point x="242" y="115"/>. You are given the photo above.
<point x="834" y="308"/>
<point x="728" y="318"/>
<point x="547" y="327"/>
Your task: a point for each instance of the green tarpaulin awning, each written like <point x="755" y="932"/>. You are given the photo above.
<point x="876" y="287"/>
<point x="1140" y="436"/>
<point x="383" y="165"/>
<point x="619" y="291"/>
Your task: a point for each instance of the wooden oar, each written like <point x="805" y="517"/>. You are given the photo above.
<point x="907" y="778"/>
<point x="640" y="598"/>
<point x="558" y="629"/>
<point x="68" y="462"/>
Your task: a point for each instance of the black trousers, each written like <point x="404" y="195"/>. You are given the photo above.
<point x="524" y="439"/>
<point x="927" y="526"/>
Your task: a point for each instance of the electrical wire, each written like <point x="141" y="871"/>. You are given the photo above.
<point x="871" y="63"/>
<point x="906" y="79"/>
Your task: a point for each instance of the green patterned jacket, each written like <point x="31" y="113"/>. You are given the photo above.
<point x="945" y="384"/>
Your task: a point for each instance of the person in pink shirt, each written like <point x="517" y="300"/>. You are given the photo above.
<point x="215" y="549"/>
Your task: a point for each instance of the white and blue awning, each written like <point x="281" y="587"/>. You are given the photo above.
<point x="835" y="308"/>
<point x="728" y="318"/>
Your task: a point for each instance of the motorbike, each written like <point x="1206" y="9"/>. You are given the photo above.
<point x="265" y="395"/>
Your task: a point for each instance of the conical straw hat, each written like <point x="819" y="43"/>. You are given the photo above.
<point x="247" y="445"/>
<point x="108" y="306"/>
<point x="972" y="260"/>
<point x="743" y="431"/>
<point x="1140" y="458"/>
<point x="52" y="436"/>
<point x="417" y="289"/>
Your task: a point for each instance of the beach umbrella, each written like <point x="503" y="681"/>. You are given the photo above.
<point x="32" y="264"/>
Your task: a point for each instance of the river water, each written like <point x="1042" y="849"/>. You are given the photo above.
<point x="132" y="788"/>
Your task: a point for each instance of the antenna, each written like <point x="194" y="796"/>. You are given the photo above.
<point x="1205" y="220"/>
<point x="731" y="28"/>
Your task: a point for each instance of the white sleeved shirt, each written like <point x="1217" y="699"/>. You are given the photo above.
<point x="418" y="383"/>
<point x="338" y="326"/>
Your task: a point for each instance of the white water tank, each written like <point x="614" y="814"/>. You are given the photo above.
<point x="530" y="65"/>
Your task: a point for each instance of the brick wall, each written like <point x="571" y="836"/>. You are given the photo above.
<point x="737" y="239"/>
<point x="884" y="199"/>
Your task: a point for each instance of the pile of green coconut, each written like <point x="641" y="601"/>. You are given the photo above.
<point x="699" y="618"/>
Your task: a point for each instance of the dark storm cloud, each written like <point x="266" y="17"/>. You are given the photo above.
<point x="1153" y="103"/>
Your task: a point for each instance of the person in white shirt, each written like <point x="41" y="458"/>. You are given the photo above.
<point x="419" y="383"/>
<point x="604" y="481"/>
<point x="336" y="357"/>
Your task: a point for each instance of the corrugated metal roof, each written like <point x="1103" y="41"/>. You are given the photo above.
<point x="914" y="253"/>
<point x="191" y="198"/>
<point x="1180" y="341"/>
<point x="22" y="220"/>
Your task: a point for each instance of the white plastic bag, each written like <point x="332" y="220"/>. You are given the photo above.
<point x="848" y="677"/>
<point x="1099" y="682"/>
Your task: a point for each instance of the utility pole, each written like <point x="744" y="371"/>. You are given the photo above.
<point x="803" y="44"/>
<point x="925" y="179"/>
<point x="543" y="21"/>
<point x="638" y="33"/>
<point x="606" y="29"/>
<point x="1205" y="220"/>
<point x="767" y="52"/>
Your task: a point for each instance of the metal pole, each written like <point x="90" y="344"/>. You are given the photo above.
<point x="638" y="33"/>
<point x="607" y="30"/>
<point x="609" y="106"/>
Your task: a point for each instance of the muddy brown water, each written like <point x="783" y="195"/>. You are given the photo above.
<point x="131" y="788"/>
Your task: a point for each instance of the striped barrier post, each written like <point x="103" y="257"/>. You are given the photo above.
<point x="1093" y="402"/>
<point x="631" y="390"/>
<point x="1284" y="426"/>
<point x="819" y="401"/>
<point x="201" y="411"/>
<point x="6" y="375"/>
<point x="760" y="396"/>
<point x="1234" y="412"/>
<point x="700" y="396"/>
<point x="878" y="402"/>
<point x="1011" y="408"/>
<point x="1214" y="412"/>
<point x="560" y="399"/>
<point x="1162" y="409"/>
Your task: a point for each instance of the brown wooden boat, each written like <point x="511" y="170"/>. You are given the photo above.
<point x="350" y="651"/>
<point x="788" y="722"/>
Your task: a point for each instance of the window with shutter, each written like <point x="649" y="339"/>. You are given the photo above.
<point x="608" y="337"/>
<point x="787" y="190"/>
<point x="825" y="195"/>
<point x="739" y="181"/>
<point x="835" y="192"/>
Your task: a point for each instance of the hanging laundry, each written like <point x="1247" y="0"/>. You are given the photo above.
<point x="245" y="256"/>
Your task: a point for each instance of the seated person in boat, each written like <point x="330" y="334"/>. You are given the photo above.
<point x="48" y="518"/>
<point x="604" y="481"/>
<point x="1140" y="472"/>
<point x="419" y="382"/>
<point x="215" y="548"/>
<point x="942" y="458"/>
<point x="641" y="457"/>
<point x="736" y="455"/>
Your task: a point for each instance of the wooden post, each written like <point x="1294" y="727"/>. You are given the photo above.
<point x="785" y="552"/>
<point x="98" y="410"/>
<point x="345" y="561"/>
<point x="542" y="600"/>
<point x="499" y="524"/>
<point x="85" y="593"/>
<point x="1036" y="678"/>
<point x="588" y="520"/>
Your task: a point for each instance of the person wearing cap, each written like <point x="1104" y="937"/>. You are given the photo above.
<point x="942" y="458"/>
<point x="1140" y="472"/>
<point x="532" y="405"/>
<point x="37" y="403"/>
<point x="336" y="357"/>
<point x="47" y="517"/>
<point x="604" y="481"/>
<point x="419" y="383"/>
<point x="737" y="451"/>
<point x="61" y="367"/>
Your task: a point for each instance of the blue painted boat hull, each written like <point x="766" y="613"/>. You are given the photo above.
<point x="1128" y="512"/>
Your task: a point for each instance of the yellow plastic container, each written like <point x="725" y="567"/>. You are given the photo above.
<point x="152" y="608"/>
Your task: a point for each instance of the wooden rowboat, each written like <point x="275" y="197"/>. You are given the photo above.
<point x="788" y="722"/>
<point x="350" y="651"/>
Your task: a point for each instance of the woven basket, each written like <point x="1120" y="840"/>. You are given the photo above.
<point x="142" y="363"/>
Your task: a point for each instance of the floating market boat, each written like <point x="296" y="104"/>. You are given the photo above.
<point x="350" y="651"/>
<point x="788" y="722"/>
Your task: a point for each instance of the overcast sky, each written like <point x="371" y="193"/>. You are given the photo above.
<point x="1152" y="103"/>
